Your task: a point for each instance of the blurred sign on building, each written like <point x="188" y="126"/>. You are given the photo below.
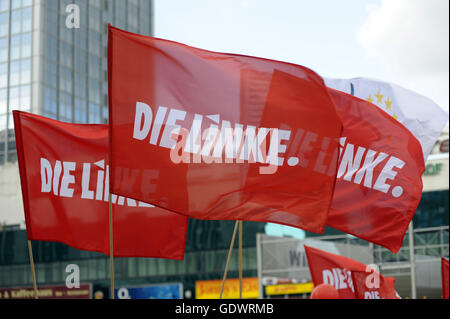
<point x="48" y="292"/>
<point x="210" y="289"/>
<point x="289" y="289"/>
<point x="436" y="175"/>
<point x="160" y="291"/>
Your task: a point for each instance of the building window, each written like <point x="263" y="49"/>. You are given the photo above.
<point x="4" y="49"/>
<point x="4" y="5"/>
<point x="65" y="107"/>
<point x="50" y="101"/>
<point x="80" y="110"/>
<point x="3" y="75"/>
<point x="4" y="20"/>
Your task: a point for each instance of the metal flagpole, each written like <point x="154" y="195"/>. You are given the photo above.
<point x="412" y="261"/>
<point x="33" y="274"/>
<point x="240" y="259"/>
<point x="228" y="259"/>
<point x="111" y="249"/>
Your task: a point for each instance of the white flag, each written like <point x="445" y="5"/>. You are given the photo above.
<point x="420" y="115"/>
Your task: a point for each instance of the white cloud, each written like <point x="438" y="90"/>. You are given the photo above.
<point x="410" y="40"/>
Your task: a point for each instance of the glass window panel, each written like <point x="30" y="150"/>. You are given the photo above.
<point x="4" y="49"/>
<point x="3" y="75"/>
<point x="4" y="18"/>
<point x="14" y="98"/>
<point x="80" y="111"/>
<point x="50" y="100"/>
<point x="26" y="3"/>
<point x="51" y="48"/>
<point x="10" y="123"/>
<point x="52" y="5"/>
<point x="2" y="123"/>
<point x="26" y="45"/>
<point x="80" y="60"/>
<point x="25" y="71"/>
<point x="144" y="22"/>
<point x="65" y="79"/>
<point x="105" y="115"/>
<point x="94" y="113"/>
<point x="66" y="54"/>
<point x="95" y="43"/>
<point x="81" y="36"/>
<point x="145" y="5"/>
<point x="94" y="66"/>
<point x="14" y="77"/>
<point x="80" y="85"/>
<point x="51" y="21"/>
<point x="4" y="5"/>
<point x="25" y="97"/>
<point x="15" y="21"/>
<point x="26" y="19"/>
<point x="3" y="97"/>
<point x="16" y="4"/>
<point x="65" y="33"/>
<point x="50" y="75"/>
<point x="94" y="18"/>
<point x="15" y="46"/>
<point x="132" y="265"/>
<point x="65" y="109"/>
<point x="94" y="91"/>
<point x="133" y="13"/>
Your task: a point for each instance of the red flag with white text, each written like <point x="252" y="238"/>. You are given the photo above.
<point x="336" y="270"/>
<point x="379" y="179"/>
<point x="65" y="188"/>
<point x="372" y="285"/>
<point x="220" y="136"/>
<point x="444" y="273"/>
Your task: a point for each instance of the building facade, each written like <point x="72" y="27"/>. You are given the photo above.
<point x="54" y="67"/>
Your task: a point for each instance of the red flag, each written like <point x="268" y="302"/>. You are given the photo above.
<point x="379" y="180"/>
<point x="327" y="268"/>
<point x="444" y="271"/>
<point x="64" y="177"/>
<point x="372" y="285"/>
<point x="197" y="129"/>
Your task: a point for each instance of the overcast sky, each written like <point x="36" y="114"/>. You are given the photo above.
<point x="400" y="41"/>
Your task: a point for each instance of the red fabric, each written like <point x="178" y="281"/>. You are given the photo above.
<point x="334" y="270"/>
<point x="363" y="204"/>
<point x="324" y="291"/>
<point x="367" y="287"/>
<point x="72" y="206"/>
<point x="444" y="270"/>
<point x="166" y="80"/>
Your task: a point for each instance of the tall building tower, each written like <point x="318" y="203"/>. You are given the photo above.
<point x="51" y="68"/>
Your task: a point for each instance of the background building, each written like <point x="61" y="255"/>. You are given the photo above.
<point x="56" y="71"/>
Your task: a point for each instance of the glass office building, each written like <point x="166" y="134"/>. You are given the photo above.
<point x="50" y="69"/>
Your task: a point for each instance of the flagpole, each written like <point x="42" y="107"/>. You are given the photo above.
<point x="412" y="260"/>
<point x="33" y="273"/>
<point x="111" y="249"/>
<point x="240" y="259"/>
<point x="228" y="259"/>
